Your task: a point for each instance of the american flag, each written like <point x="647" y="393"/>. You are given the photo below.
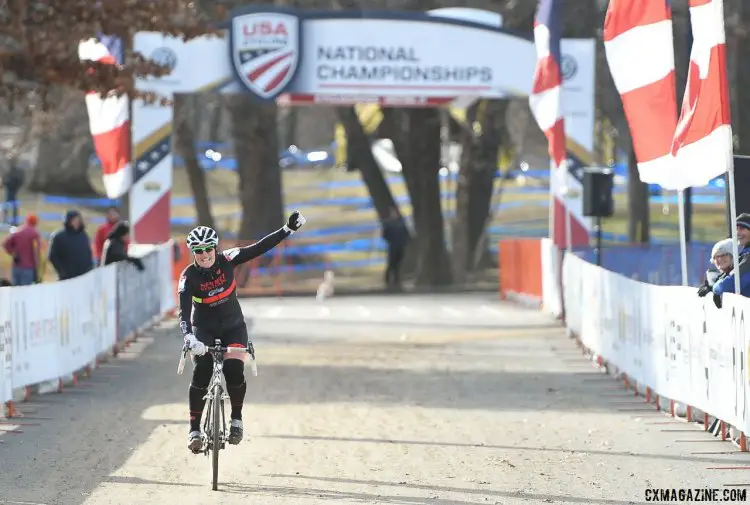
<point x="640" y="54"/>
<point x="546" y="106"/>
<point x="544" y="100"/>
<point x="109" y="118"/>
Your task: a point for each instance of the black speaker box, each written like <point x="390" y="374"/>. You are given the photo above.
<point x="597" y="192"/>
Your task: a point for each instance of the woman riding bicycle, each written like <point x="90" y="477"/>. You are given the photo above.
<point x="209" y="310"/>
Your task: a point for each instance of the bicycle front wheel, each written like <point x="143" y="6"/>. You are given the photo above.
<point x="216" y="434"/>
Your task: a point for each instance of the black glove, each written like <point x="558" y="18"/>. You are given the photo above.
<point x="295" y="222"/>
<point x="137" y="263"/>
<point x="717" y="301"/>
<point x="704" y="289"/>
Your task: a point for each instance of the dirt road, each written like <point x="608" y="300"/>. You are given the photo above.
<point x="405" y="400"/>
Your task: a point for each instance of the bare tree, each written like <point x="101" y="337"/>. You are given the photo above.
<point x="183" y="141"/>
<point x="256" y="149"/>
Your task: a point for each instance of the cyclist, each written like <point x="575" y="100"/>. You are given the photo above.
<point x="209" y="309"/>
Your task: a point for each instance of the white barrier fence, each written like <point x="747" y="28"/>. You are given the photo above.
<point x="664" y="337"/>
<point x="51" y="331"/>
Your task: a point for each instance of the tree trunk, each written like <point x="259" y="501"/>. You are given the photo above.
<point x="256" y="147"/>
<point x="494" y="136"/>
<point x="216" y="111"/>
<point x="433" y="262"/>
<point x="184" y="143"/>
<point x="638" y="210"/>
<point x="381" y="195"/>
<point x="396" y="126"/>
<point x="460" y="250"/>
<point x="476" y="182"/>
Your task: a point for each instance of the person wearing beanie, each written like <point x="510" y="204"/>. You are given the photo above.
<point x="102" y="233"/>
<point x="743" y="233"/>
<point x="23" y="247"/>
<point x="70" y="248"/>
<point x="725" y="283"/>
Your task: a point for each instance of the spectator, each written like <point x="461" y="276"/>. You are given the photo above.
<point x="12" y="181"/>
<point x="725" y="282"/>
<point x="113" y="217"/>
<point x="721" y="265"/>
<point x="70" y="248"/>
<point x="115" y="247"/>
<point x="743" y="234"/>
<point x="396" y="235"/>
<point x="23" y="247"/>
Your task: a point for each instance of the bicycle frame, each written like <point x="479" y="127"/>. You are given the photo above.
<point x="214" y="434"/>
<point x="216" y="393"/>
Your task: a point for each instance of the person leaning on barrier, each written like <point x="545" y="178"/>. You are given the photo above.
<point x="115" y="247"/>
<point x="721" y="265"/>
<point x="725" y="283"/>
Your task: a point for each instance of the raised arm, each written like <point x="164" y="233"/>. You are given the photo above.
<point x="240" y="255"/>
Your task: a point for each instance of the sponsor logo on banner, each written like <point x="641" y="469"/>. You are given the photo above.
<point x="265" y="51"/>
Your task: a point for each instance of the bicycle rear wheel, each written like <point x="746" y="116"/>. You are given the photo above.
<point x="216" y="434"/>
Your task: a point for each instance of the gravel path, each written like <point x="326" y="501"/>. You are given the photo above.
<point x="438" y="409"/>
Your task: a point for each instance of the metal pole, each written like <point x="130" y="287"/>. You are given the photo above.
<point x="598" y="241"/>
<point x="733" y="225"/>
<point x="563" y="173"/>
<point x="683" y="239"/>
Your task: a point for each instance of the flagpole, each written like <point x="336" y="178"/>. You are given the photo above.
<point x="552" y="177"/>
<point x="563" y="172"/>
<point x="683" y="238"/>
<point x="733" y="226"/>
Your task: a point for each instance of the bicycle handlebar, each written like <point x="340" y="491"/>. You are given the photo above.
<point x="221" y="349"/>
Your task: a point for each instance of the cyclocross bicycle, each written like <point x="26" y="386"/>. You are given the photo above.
<point x="214" y="434"/>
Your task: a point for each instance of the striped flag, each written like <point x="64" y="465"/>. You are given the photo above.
<point x="640" y="53"/>
<point x="702" y="144"/>
<point x="109" y="119"/>
<point x="545" y="101"/>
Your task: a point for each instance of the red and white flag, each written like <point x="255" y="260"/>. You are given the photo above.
<point x="640" y="53"/>
<point x="109" y="120"/>
<point x="702" y="144"/>
<point x="546" y="107"/>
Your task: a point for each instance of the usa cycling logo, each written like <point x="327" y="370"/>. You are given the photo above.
<point x="265" y="51"/>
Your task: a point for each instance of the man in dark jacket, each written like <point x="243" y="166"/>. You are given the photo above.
<point x="12" y="181"/>
<point x="396" y="235"/>
<point x="70" y="248"/>
<point x="115" y="248"/>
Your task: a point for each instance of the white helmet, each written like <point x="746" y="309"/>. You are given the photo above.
<point x="202" y="236"/>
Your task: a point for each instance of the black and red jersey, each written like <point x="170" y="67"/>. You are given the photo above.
<point x="208" y="296"/>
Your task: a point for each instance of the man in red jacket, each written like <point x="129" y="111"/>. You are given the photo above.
<point x="23" y="247"/>
<point x="113" y="217"/>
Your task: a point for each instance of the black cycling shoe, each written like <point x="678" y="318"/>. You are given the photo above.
<point x="235" y="432"/>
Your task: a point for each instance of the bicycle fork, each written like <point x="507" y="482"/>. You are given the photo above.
<point x="210" y="398"/>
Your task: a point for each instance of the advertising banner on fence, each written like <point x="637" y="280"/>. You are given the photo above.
<point x="49" y="331"/>
<point x="665" y="337"/>
<point x="6" y="368"/>
<point x="138" y="294"/>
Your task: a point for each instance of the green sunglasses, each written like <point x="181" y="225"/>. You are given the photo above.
<point x="203" y="249"/>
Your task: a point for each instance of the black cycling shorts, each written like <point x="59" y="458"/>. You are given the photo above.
<point x="236" y="336"/>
